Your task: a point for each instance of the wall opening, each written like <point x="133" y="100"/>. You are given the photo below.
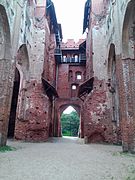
<point x="74" y="90"/>
<point x="74" y="87"/>
<point x="70" y="75"/>
<point x="70" y="122"/>
<point x="78" y="75"/>
<point x="113" y="84"/>
<point x="12" y="117"/>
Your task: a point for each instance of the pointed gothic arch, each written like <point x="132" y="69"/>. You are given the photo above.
<point x="23" y="60"/>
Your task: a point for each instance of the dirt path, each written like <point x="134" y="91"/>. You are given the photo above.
<point x="65" y="159"/>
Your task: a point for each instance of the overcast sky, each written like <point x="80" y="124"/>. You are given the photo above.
<point x="70" y="15"/>
<point x="69" y="110"/>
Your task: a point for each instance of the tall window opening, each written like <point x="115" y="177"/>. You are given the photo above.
<point x="70" y="75"/>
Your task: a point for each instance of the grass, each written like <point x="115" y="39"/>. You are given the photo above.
<point x="131" y="175"/>
<point x="123" y="154"/>
<point x="67" y="133"/>
<point x="6" y="149"/>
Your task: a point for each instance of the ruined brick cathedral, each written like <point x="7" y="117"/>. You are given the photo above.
<point x="40" y="76"/>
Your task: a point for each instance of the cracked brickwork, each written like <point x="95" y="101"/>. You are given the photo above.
<point x="109" y="108"/>
<point x="27" y="46"/>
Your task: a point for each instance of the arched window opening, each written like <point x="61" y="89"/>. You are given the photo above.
<point x="64" y="58"/>
<point x="12" y="117"/>
<point x="76" y="58"/>
<point x="78" y="75"/>
<point x="70" y="122"/>
<point x="74" y="87"/>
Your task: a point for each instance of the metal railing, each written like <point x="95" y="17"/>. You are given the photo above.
<point x="58" y="55"/>
<point x="80" y="59"/>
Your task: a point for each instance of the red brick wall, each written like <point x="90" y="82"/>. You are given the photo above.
<point x="98" y="125"/>
<point x="49" y="72"/>
<point x="64" y="82"/>
<point x="34" y="115"/>
<point x="128" y="104"/>
<point x="35" y="126"/>
<point x="67" y="96"/>
<point x="63" y="87"/>
<point x="60" y="105"/>
<point x="52" y="62"/>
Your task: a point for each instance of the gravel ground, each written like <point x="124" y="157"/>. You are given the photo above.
<point x="66" y="159"/>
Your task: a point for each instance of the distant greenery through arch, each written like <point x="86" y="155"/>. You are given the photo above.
<point x="70" y="124"/>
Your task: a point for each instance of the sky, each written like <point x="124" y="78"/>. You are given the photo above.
<point x="68" y="110"/>
<point x="70" y="15"/>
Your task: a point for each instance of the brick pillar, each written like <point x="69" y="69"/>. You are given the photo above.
<point x="6" y="85"/>
<point x="128" y="105"/>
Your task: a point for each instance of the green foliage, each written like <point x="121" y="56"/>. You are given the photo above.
<point x="70" y="124"/>
<point x="7" y="148"/>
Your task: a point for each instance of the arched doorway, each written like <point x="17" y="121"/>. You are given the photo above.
<point x="12" y="117"/>
<point x="70" y="122"/>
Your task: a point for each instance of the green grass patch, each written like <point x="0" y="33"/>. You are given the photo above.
<point x="66" y="133"/>
<point x="126" y="154"/>
<point x="6" y="149"/>
<point x="131" y="171"/>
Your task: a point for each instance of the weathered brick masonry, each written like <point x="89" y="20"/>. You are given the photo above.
<point x="40" y="76"/>
<point x="109" y="107"/>
<point x="68" y="71"/>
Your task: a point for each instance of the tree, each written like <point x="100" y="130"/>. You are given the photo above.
<point x="70" y="124"/>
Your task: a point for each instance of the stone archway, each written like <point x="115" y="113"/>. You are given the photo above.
<point x="64" y="106"/>
<point x="70" y="122"/>
<point x="58" y="113"/>
<point x="6" y="75"/>
<point x="128" y="63"/>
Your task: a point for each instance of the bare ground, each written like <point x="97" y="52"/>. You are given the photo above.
<point x="66" y="159"/>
